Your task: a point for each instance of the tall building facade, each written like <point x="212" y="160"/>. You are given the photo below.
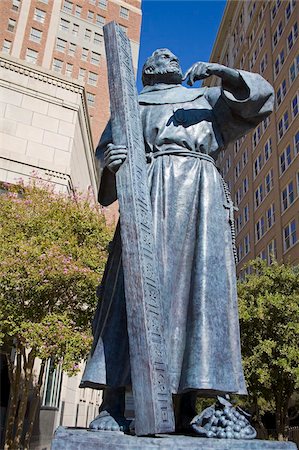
<point x="66" y="37"/>
<point x="262" y="168"/>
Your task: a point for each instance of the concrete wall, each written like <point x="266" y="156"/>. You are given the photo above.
<point x="44" y="127"/>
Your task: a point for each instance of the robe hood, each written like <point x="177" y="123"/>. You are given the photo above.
<point x="172" y="93"/>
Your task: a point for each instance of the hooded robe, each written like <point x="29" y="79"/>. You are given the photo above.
<point x="193" y="238"/>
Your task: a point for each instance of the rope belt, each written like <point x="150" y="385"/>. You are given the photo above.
<point x="228" y="201"/>
<point x="153" y="155"/>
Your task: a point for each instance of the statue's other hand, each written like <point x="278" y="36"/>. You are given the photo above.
<point x="114" y="156"/>
<point x="199" y="71"/>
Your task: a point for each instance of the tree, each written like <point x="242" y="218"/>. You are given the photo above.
<point x="269" y="321"/>
<point x="52" y="256"/>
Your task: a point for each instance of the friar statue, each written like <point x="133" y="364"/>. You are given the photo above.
<point x="184" y="131"/>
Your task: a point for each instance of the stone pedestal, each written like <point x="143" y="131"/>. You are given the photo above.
<point x="82" y="439"/>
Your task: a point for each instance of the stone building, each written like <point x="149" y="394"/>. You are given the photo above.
<point x="262" y="169"/>
<point x="54" y="104"/>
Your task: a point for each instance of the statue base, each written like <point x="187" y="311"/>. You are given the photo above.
<point x="83" y="439"/>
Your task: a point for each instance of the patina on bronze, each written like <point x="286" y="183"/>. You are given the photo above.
<point x="150" y="383"/>
<point x="184" y="130"/>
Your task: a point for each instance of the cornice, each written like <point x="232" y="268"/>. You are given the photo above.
<point x="39" y="73"/>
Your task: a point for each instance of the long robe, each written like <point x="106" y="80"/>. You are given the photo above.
<point x="193" y="239"/>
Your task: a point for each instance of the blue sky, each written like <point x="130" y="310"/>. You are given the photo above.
<point x="188" y="28"/>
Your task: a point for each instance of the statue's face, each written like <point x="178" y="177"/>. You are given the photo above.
<point x="166" y="61"/>
<point x="162" y="67"/>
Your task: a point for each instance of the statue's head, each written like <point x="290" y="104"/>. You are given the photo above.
<point x="161" y="67"/>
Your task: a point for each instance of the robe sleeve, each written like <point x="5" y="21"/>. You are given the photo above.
<point x="236" y="114"/>
<point x="107" y="190"/>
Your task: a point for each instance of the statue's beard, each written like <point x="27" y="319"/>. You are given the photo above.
<point x="167" y="75"/>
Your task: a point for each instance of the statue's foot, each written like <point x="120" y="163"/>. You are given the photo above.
<point x="105" y="422"/>
<point x="223" y="421"/>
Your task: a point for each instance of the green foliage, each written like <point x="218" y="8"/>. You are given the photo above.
<point x="52" y="255"/>
<point x="269" y="321"/>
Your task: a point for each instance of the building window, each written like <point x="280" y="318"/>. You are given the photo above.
<point x="92" y="78"/>
<point x="6" y="46"/>
<point x="238" y="223"/>
<point x="39" y="15"/>
<point x="90" y="15"/>
<point x="259" y="229"/>
<point x="289" y="235"/>
<point x="237" y="170"/>
<point x="124" y="12"/>
<point x="295" y="106"/>
<point x="90" y="99"/>
<point x="97" y="39"/>
<point x="281" y="92"/>
<point x="238" y="196"/>
<point x="246" y="213"/>
<point x="287" y="196"/>
<point x="35" y="35"/>
<point x="11" y="25"/>
<point x="245" y="185"/>
<point x="82" y="73"/>
<point x="84" y="55"/>
<point x="263" y="63"/>
<point x="265" y="123"/>
<point x="100" y="20"/>
<point x="285" y="159"/>
<point x="103" y="4"/>
<point x="245" y="157"/>
<point x="240" y="252"/>
<point x="31" y="56"/>
<point x="289" y="9"/>
<point x="259" y="195"/>
<point x="87" y="34"/>
<point x="57" y="65"/>
<point x="72" y="49"/>
<point x="279" y="62"/>
<point x="95" y="58"/>
<point x="75" y="29"/>
<point x="64" y="25"/>
<point x="294" y="69"/>
<point x="256" y="136"/>
<point x="272" y="252"/>
<point x="292" y="36"/>
<point x="296" y="143"/>
<point x="60" y="45"/>
<point x="16" y="4"/>
<point x="270" y="216"/>
<point x="258" y="164"/>
<point x="277" y="34"/>
<point x="267" y="149"/>
<point x="283" y="124"/>
<point x="246" y="245"/>
<point x="262" y="255"/>
<point x="67" y="6"/>
<point x="269" y="181"/>
<point x="52" y="385"/>
<point x="78" y="10"/>
<point x="69" y="70"/>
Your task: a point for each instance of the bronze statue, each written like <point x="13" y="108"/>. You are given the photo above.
<point x="184" y="130"/>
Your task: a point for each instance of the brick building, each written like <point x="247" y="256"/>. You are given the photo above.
<point x="262" y="169"/>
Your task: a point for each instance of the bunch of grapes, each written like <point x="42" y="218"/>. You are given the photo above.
<point x="228" y="423"/>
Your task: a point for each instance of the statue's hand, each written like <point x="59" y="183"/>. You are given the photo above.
<point x="114" y="156"/>
<point x="199" y="71"/>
